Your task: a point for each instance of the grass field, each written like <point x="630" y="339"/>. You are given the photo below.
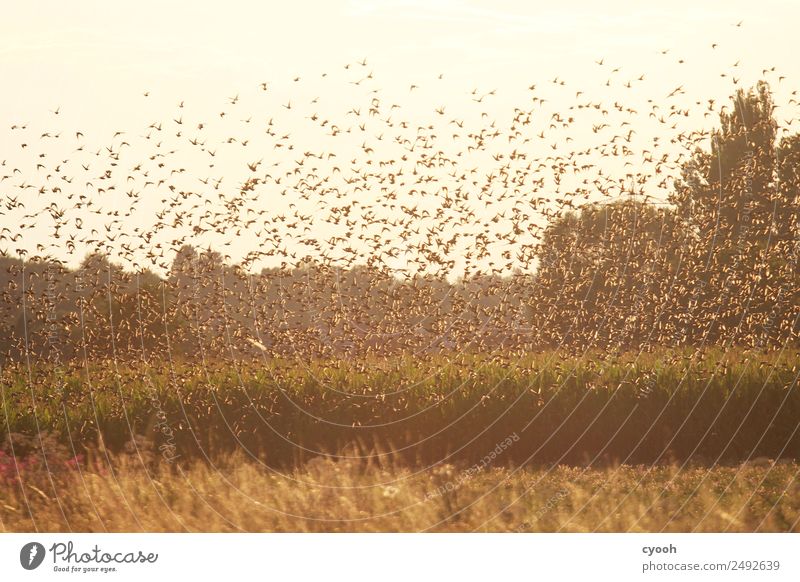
<point x="631" y="408"/>
<point x="674" y="441"/>
<point x="240" y="495"/>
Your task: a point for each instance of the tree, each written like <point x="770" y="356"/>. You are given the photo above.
<point x="727" y="193"/>
<point x="604" y="275"/>
<point x="739" y="201"/>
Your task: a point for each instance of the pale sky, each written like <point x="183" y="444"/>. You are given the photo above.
<point x="94" y="60"/>
<point x="97" y="56"/>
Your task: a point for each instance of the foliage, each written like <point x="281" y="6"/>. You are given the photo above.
<point x="633" y="408"/>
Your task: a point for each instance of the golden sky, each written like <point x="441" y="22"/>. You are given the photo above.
<point x="93" y="62"/>
<point x="97" y="56"/>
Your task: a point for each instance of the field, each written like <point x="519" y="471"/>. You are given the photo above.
<point x="630" y="408"/>
<point x="235" y="494"/>
<point x="670" y="440"/>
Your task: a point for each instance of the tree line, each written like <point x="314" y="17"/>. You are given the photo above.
<point x="717" y="264"/>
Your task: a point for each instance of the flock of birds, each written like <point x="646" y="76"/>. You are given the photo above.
<point x="410" y="197"/>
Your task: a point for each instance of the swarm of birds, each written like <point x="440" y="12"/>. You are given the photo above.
<point x="281" y="226"/>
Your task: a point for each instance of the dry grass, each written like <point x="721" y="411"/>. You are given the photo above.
<point x="325" y="495"/>
<point x="77" y="472"/>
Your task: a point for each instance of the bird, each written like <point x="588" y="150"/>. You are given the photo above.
<point x="393" y="220"/>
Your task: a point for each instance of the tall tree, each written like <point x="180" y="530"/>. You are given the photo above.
<point x="738" y="199"/>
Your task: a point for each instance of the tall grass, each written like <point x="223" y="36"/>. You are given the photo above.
<point x="235" y="494"/>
